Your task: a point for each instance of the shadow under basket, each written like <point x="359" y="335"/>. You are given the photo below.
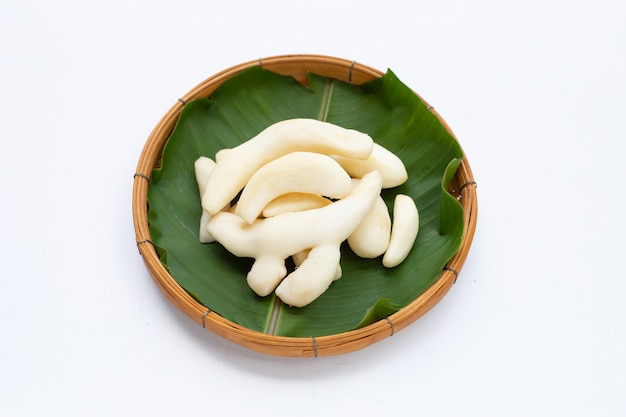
<point x="463" y="187"/>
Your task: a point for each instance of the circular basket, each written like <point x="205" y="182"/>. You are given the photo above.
<point x="463" y="187"/>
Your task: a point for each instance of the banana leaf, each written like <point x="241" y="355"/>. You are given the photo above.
<point x="240" y="108"/>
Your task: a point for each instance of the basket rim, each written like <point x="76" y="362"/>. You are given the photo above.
<point x="296" y="65"/>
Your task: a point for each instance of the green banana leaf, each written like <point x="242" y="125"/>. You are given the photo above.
<point x="239" y="109"/>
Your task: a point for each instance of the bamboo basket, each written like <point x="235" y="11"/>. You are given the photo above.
<point x="463" y="187"/>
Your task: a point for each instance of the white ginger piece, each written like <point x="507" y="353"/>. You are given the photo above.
<point x="294" y="202"/>
<point x="220" y="153"/>
<point x="235" y="166"/>
<point x="203" y="234"/>
<point x="300" y="257"/>
<point x="203" y="167"/>
<point x="404" y="230"/>
<point x="306" y="172"/>
<point x="265" y="274"/>
<point x="276" y="238"/>
<point x="312" y="278"/>
<point x="371" y="238"/>
<point x="389" y="165"/>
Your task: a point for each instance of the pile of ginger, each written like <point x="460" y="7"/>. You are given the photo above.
<point x="305" y="186"/>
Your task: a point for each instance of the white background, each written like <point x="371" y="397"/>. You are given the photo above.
<point x="534" y="90"/>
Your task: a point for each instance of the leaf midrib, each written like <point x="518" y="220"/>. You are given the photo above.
<point x="326" y="99"/>
<point x="277" y="305"/>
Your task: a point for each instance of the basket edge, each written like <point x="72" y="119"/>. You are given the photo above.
<point x="288" y="346"/>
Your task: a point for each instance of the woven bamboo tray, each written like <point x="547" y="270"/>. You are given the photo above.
<point x="463" y="187"/>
